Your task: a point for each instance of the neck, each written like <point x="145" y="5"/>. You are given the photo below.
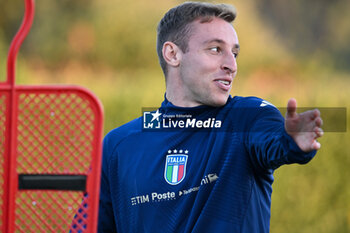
<point x="179" y="101"/>
<point x="176" y="94"/>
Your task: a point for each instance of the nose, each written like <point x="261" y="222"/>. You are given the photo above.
<point x="229" y="63"/>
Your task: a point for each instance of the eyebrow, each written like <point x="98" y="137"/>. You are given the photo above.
<point x="236" y="46"/>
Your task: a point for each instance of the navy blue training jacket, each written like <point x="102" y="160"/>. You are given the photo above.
<point x="205" y="169"/>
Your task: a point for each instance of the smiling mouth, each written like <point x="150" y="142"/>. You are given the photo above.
<point x="224" y="85"/>
<point x="224" y="82"/>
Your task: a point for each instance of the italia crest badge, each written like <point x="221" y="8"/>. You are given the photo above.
<point x="175" y="166"/>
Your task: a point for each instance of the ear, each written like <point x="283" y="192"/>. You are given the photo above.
<point x="171" y="54"/>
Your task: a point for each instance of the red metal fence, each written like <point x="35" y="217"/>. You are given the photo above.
<point x="50" y="153"/>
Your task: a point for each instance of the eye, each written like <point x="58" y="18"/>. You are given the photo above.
<point x="215" y="49"/>
<point x="235" y="54"/>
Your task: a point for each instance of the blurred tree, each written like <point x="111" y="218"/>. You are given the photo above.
<point x="126" y="33"/>
<point x="11" y="13"/>
<point x="317" y="27"/>
<point x="115" y="33"/>
<point x="48" y="39"/>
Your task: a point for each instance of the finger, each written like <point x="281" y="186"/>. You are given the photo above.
<point x="316" y="113"/>
<point x="316" y="145"/>
<point x="319" y="132"/>
<point x="291" y="107"/>
<point x="318" y="121"/>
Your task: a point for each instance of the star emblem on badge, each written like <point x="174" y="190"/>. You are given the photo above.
<point x="175" y="151"/>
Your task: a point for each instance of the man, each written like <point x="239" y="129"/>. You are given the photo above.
<point x="207" y="166"/>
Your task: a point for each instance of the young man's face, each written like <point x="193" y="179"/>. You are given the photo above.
<point x="208" y="67"/>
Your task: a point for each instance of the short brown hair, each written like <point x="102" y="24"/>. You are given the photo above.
<point x="174" y="26"/>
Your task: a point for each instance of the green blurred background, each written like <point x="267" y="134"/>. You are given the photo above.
<point x="289" y="49"/>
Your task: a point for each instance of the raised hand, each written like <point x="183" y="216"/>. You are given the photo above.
<point x="304" y="127"/>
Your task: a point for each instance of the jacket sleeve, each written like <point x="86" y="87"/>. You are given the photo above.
<point x="106" y="219"/>
<point x="268" y="143"/>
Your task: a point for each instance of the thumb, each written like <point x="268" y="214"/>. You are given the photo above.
<point x="291" y="107"/>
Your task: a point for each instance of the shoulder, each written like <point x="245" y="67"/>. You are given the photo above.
<point x="253" y="104"/>
<point x="250" y="102"/>
<point x="250" y="106"/>
<point x="117" y="135"/>
<point x="250" y="110"/>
